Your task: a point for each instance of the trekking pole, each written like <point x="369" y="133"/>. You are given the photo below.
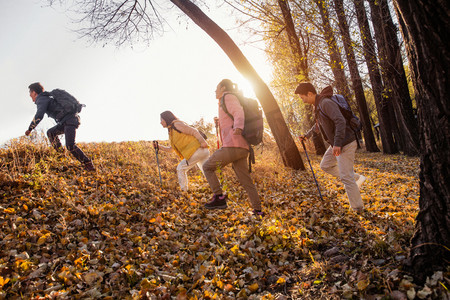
<point x="156" y="146"/>
<point x="216" y="122"/>
<point x="314" y="176"/>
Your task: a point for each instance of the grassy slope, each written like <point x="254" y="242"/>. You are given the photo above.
<point x="116" y="233"/>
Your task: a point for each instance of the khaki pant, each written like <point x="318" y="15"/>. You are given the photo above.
<point x="238" y="157"/>
<point x="342" y="167"/>
<point x="197" y="159"/>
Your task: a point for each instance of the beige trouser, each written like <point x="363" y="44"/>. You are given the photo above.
<point x="238" y="157"/>
<point x="197" y="159"/>
<point x="342" y="167"/>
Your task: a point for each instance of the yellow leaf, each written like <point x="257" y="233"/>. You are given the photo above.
<point x="281" y="280"/>
<point x="43" y="238"/>
<point x="254" y="287"/>
<point x="235" y="249"/>
<point x="3" y="281"/>
<point x="363" y="284"/>
<point x="10" y="210"/>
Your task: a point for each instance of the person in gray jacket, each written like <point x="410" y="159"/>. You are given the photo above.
<point x="67" y="125"/>
<point x="339" y="158"/>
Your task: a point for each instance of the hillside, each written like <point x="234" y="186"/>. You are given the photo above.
<point x="117" y="234"/>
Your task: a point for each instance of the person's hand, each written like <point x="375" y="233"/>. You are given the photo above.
<point x="27" y="132"/>
<point x="237" y="131"/>
<point x="216" y="121"/>
<point x="204" y="145"/>
<point x="336" y="150"/>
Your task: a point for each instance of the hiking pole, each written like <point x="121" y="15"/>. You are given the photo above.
<point x="314" y="176"/>
<point x="156" y="146"/>
<point x="216" y="122"/>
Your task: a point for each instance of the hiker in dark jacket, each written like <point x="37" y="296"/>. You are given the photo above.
<point x="339" y="158"/>
<point x="66" y="125"/>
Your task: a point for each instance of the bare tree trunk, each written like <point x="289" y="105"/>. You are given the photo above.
<point x="288" y="149"/>
<point x="369" y="138"/>
<point x="335" y="56"/>
<point x="426" y="30"/>
<point x="394" y="76"/>
<point x="386" y="134"/>
<point x="300" y="62"/>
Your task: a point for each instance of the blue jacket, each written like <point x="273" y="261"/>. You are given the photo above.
<point x="47" y="105"/>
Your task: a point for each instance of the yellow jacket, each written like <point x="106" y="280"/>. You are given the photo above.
<point x="185" y="142"/>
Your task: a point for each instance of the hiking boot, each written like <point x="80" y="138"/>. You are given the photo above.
<point x="258" y="213"/>
<point x="359" y="210"/>
<point x="360" y="181"/>
<point x="217" y="202"/>
<point x="89" y="166"/>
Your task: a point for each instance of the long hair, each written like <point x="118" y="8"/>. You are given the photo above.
<point x="169" y="117"/>
<point x="230" y="87"/>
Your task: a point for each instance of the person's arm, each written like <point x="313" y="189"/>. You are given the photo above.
<point x="234" y="107"/>
<point x="42" y="104"/>
<point x="186" y="129"/>
<point x="332" y="111"/>
<point x="165" y="148"/>
<point x="310" y="132"/>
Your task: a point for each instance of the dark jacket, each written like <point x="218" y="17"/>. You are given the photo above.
<point x="47" y="105"/>
<point x="330" y="120"/>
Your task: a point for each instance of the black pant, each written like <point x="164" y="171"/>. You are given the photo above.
<point x="68" y="128"/>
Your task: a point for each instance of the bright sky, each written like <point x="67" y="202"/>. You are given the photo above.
<point x="124" y="90"/>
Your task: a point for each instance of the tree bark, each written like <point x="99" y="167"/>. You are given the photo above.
<point x="300" y="62"/>
<point x="426" y="30"/>
<point x="288" y="149"/>
<point x="394" y="76"/>
<point x="386" y="133"/>
<point x="335" y="57"/>
<point x="369" y="138"/>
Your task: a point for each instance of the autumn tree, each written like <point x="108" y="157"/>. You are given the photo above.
<point x="394" y="77"/>
<point x="355" y="77"/>
<point x="300" y="58"/>
<point x="425" y="28"/>
<point x="122" y="21"/>
<point x="336" y="63"/>
<point x="371" y="60"/>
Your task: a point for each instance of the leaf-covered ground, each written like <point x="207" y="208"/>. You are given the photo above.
<point x="117" y="234"/>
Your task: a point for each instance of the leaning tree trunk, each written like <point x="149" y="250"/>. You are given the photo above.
<point x="426" y="30"/>
<point x="394" y="75"/>
<point x="288" y="149"/>
<point x="333" y="51"/>
<point x="369" y="138"/>
<point x="300" y="62"/>
<point x="387" y="138"/>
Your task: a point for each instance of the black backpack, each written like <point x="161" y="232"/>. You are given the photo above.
<point x="67" y="103"/>
<point x="253" y="125"/>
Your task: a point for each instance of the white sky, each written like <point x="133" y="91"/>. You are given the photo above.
<point x="124" y="90"/>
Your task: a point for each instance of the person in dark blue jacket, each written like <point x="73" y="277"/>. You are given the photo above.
<point x="66" y="125"/>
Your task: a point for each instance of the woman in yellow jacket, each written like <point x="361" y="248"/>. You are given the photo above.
<point x="188" y="143"/>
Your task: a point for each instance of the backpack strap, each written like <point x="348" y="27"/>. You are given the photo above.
<point x="224" y="107"/>
<point x="251" y="155"/>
